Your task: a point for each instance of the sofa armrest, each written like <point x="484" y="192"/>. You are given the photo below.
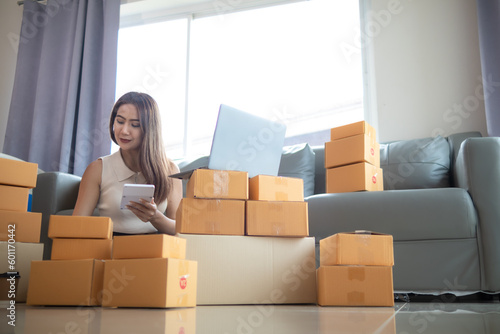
<point x="54" y="192"/>
<point x="477" y="170"/>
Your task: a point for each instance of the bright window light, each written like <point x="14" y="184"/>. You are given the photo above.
<point x="285" y="62"/>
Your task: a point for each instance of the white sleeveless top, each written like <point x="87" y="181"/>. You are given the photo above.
<point x="114" y="175"/>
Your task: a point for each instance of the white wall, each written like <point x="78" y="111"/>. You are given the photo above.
<point x="427" y="68"/>
<point x="10" y="26"/>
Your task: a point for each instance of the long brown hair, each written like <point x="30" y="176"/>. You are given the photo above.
<point x="154" y="164"/>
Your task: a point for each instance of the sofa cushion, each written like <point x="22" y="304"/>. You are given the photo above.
<point x="298" y="161"/>
<point x="415" y="164"/>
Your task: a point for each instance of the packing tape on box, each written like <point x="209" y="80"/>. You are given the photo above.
<point x="281" y="196"/>
<point x="356" y="298"/>
<point x="221" y="183"/>
<point x="356" y="273"/>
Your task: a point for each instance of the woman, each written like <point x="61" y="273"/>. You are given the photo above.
<point x="134" y="126"/>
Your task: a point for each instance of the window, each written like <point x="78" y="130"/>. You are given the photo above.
<point x="283" y="62"/>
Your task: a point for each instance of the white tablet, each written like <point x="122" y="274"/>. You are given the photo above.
<point x="134" y="192"/>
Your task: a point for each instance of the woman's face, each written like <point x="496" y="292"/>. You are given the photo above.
<point x="127" y="128"/>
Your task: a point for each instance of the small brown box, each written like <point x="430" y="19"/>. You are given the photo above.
<point x="356" y="177"/>
<point x="149" y="246"/>
<point x="67" y="282"/>
<point x="211" y="216"/>
<point x="220" y="184"/>
<point x="270" y="218"/>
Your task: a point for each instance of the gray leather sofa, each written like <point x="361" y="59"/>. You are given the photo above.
<point x="440" y="205"/>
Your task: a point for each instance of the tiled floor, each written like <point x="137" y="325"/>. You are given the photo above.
<point x="433" y="316"/>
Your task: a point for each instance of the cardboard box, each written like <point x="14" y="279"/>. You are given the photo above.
<point x="221" y="184"/>
<point x="70" y="282"/>
<point x="253" y="270"/>
<point x="357" y="177"/>
<point x="357" y="248"/>
<point x="352" y="129"/>
<point x="285" y="219"/>
<point x="211" y="216"/>
<point x="350" y="150"/>
<point x="125" y="321"/>
<point x="150" y="283"/>
<point x="79" y="249"/>
<point x="18" y="173"/>
<point x="149" y="246"/>
<point x="21" y="254"/>
<point x="80" y="227"/>
<point x="14" y="198"/>
<point x="276" y="188"/>
<point x="355" y="286"/>
<point x="25" y="226"/>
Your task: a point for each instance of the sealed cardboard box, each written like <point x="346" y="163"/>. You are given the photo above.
<point x="14" y="198"/>
<point x="24" y="226"/>
<point x="149" y="246"/>
<point x="253" y="270"/>
<point x="276" y="188"/>
<point x="68" y="282"/>
<point x="356" y="177"/>
<point x="357" y="248"/>
<point x="79" y="249"/>
<point x="18" y="257"/>
<point x="170" y="321"/>
<point x="221" y="184"/>
<point x="355" y="286"/>
<point x="80" y="227"/>
<point x="352" y="129"/>
<point x="150" y="283"/>
<point x="270" y="218"/>
<point x="350" y="150"/>
<point x="18" y="173"/>
<point x="211" y="216"/>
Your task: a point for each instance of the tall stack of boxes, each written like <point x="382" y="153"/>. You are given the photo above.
<point x="352" y="159"/>
<point x="250" y="238"/>
<point x="74" y="274"/>
<point x="356" y="270"/>
<point x="19" y="229"/>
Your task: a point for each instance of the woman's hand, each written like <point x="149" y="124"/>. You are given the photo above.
<point x="144" y="210"/>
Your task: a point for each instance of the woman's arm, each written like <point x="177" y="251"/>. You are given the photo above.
<point x="88" y="194"/>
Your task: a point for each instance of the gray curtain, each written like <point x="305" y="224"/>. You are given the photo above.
<point x="488" y="12"/>
<point x="64" y="85"/>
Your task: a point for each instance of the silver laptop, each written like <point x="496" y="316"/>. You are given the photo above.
<point x="245" y="142"/>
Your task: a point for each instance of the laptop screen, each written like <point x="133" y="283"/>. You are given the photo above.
<point x="246" y="142"/>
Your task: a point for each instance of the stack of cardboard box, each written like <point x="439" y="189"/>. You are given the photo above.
<point x="90" y="268"/>
<point x="150" y="270"/>
<point x="74" y="274"/>
<point x="257" y="252"/>
<point x="352" y="159"/>
<point x="214" y="203"/>
<point x="19" y="229"/>
<point x="276" y="207"/>
<point x="356" y="270"/>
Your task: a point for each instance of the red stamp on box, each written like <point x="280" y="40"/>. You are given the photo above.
<point x="372" y="151"/>
<point x="374" y="179"/>
<point x="183" y="282"/>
